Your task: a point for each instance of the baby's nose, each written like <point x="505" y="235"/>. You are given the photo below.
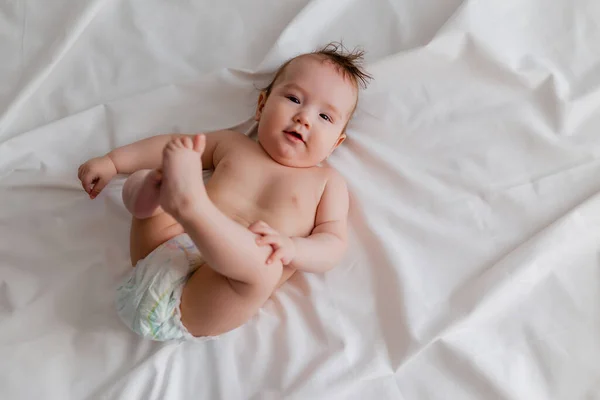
<point x="301" y="119"/>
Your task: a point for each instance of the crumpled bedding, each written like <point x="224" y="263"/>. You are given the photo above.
<point x="473" y="163"/>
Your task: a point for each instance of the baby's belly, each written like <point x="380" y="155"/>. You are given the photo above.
<point x="285" y="219"/>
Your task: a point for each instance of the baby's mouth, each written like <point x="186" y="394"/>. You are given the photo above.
<point x="294" y="134"/>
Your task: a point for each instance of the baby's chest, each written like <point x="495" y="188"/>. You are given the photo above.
<point x="286" y="197"/>
<point x="285" y="194"/>
<point x="287" y="205"/>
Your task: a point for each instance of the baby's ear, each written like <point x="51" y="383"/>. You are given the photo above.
<point x="262" y="99"/>
<point x="339" y="141"/>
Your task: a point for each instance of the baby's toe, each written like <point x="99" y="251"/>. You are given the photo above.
<point x="187" y="142"/>
<point x="173" y="145"/>
<point x="199" y="143"/>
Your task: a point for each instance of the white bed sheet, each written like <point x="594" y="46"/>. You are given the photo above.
<point x="474" y="168"/>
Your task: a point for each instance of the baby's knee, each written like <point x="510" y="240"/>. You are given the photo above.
<point x="271" y="275"/>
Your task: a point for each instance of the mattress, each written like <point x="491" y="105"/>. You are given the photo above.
<point x="473" y="164"/>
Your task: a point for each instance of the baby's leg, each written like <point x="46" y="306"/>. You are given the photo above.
<point x="228" y="247"/>
<point x="150" y="225"/>
<point x="141" y="193"/>
<point x="238" y="280"/>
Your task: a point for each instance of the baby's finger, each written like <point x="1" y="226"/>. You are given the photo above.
<point x="277" y="255"/>
<point x="83" y="171"/>
<point x="268" y="229"/>
<point x="286" y="259"/>
<point x="97" y="188"/>
<point x="273" y="240"/>
<point x="258" y="230"/>
<point x="258" y="225"/>
<point x="86" y="182"/>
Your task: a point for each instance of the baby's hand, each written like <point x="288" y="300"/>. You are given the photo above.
<point x="283" y="246"/>
<point x="95" y="174"/>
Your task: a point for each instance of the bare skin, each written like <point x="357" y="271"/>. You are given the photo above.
<point x="268" y="209"/>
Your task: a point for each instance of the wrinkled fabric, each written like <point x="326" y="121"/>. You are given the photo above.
<point x="473" y="168"/>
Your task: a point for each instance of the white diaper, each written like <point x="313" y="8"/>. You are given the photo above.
<point x="148" y="298"/>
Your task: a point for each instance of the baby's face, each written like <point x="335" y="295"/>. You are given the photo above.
<point x="302" y="120"/>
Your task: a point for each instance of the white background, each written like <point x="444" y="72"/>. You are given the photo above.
<point x="474" y="168"/>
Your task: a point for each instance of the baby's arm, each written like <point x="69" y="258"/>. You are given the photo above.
<point x="147" y="153"/>
<point x="144" y="154"/>
<point x="326" y="245"/>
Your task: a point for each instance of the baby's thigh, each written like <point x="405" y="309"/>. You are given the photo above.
<point x="212" y="304"/>
<point x="149" y="233"/>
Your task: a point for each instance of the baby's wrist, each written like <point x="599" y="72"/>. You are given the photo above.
<point x="294" y="248"/>
<point x="112" y="161"/>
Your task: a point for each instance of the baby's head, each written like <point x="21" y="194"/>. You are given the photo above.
<point x="302" y="115"/>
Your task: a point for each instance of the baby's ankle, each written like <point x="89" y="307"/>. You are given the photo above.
<point x="188" y="208"/>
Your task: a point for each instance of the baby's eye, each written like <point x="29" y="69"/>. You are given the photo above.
<point x="293" y="99"/>
<point x="325" y="117"/>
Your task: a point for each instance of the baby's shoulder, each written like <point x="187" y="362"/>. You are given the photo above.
<point x="331" y="179"/>
<point x="230" y="137"/>
<point x="329" y="173"/>
<point x="232" y="141"/>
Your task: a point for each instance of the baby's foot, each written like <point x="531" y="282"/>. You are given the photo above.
<point x="141" y="193"/>
<point x="182" y="186"/>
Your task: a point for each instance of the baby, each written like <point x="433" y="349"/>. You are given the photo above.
<point x="207" y="257"/>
